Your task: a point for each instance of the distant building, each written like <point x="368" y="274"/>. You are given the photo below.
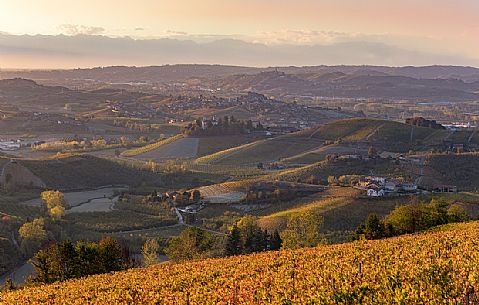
<point x="391" y="186"/>
<point x="10" y="145"/>
<point x="388" y="154"/>
<point x="349" y="157"/>
<point x="445" y="189"/>
<point x="382" y="186"/>
<point x="207" y="123"/>
<point x="409" y="187"/>
<point x="375" y="192"/>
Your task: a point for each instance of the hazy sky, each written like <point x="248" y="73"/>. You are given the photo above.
<point x="446" y="27"/>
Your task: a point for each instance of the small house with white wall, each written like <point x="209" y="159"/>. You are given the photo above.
<point x="375" y="192"/>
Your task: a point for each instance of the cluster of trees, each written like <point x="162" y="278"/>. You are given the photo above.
<point x="169" y="166"/>
<point x="303" y="230"/>
<point x="226" y="126"/>
<point x="33" y="235"/>
<point x="192" y="243"/>
<point x="150" y="251"/>
<point x="65" y="260"/>
<point x="422" y="122"/>
<point x="246" y="236"/>
<point x="412" y="217"/>
<point x="255" y="195"/>
<point x="75" y="143"/>
<point x="55" y="203"/>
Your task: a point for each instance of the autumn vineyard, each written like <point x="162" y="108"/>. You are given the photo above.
<point x="438" y="267"/>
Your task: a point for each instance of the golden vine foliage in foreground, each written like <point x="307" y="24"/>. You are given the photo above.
<point x="432" y="268"/>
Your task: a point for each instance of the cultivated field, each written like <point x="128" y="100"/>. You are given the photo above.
<point x="440" y="267"/>
<point x="182" y="148"/>
<point x="322" y="170"/>
<point x="221" y="193"/>
<point x="212" y="144"/>
<point x="320" y="154"/>
<point x="389" y="135"/>
<point x="269" y="150"/>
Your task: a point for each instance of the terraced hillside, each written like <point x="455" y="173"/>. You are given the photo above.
<point x="182" y="147"/>
<point x="268" y="150"/>
<point x="350" y="136"/>
<point x="150" y="147"/>
<point x="322" y="170"/>
<point x="389" y="134"/>
<point x="342" y="208"/>
<point x="440" y="267"/>
<point x="321" y="153"/>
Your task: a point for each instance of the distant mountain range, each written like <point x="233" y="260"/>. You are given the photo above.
<point x="430" y="83"/>
<point x="47" y="51"/>
<point x="180" y="72"/>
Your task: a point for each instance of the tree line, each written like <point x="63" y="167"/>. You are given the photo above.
<point x="66" y="260"/>
<point x="244" y="237"/>
<point x="412" y="217"/>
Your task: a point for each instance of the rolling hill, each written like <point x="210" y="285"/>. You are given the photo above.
<point x="28" y="95"/>
<point x="461" y="170"/>
<point x="365" y="83"/>
<point x="85" y="171"/>
<point x="393" y="135"/>
<point x="188" y="147"/>
<point x="321" y="153"/>
<point x="267" y="150"/>
<point x="342" y="208"/>
<point x="167" y="73"/>
<point x="322" y="170"/>
<point x="350" y="136"/>
<point x="439" y="266"/>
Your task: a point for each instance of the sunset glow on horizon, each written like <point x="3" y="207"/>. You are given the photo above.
<point x="438" y="26"/>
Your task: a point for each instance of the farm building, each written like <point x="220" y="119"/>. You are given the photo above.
<point x="375" y="192"/>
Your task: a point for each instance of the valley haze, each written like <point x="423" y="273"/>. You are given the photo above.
<point x="65" y="51"/>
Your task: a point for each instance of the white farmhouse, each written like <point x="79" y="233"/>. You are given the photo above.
<point x="375" y="192"/>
